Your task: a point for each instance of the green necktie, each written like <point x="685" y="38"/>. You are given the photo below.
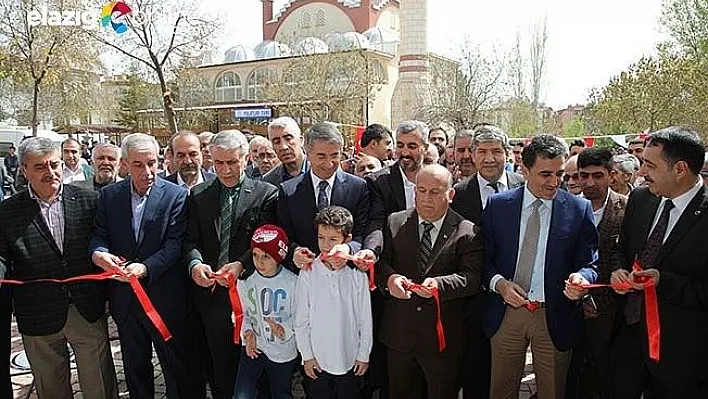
<point x="225" y="223"/>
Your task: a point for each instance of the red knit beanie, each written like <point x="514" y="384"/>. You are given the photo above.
<point x="272" y="240"/>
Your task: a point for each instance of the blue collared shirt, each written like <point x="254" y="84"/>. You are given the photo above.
<point x="285" y="176"/>
<point x="137" y="204"/>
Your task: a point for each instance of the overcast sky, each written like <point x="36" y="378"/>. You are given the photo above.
<point x="588" y="41"/>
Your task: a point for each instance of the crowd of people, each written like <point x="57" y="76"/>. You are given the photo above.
<point x="424" y="266"/>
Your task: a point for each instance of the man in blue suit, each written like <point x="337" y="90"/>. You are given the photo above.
<point x="144" y="219"/>
<point x="540" y="242"/>
<point x="325" y="184"/>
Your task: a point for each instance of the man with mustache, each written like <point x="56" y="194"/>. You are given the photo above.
<point x="253" y="170"/>
<point x="286" y="137"/>
<point x="105" y="162"/>
<point x="74" y="169"/>
<point x="464" y="157"/>
<point x="267" y="158"/>
<point x="490" y="147"/>
<point x="143" y="219"/>
<point x="187" y="151"/>
<point x="43" y="234"/>
<point x="207" y="161"/>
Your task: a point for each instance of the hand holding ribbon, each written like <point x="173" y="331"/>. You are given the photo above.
<point x="235" y="300"/>
<point x="430" y="290"/>
<point x="362" y="260"/>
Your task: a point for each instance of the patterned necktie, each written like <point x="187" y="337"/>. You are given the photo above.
<point x="529" y="248"/>
<point x="225" y="223"/>
<point x="426" y="246"/>
<point x="633" y="307"/>
<point x="322" y="201"/>
<point x="495" y="186"/>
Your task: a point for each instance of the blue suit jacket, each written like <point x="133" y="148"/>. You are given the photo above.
<point x="571" y="247"/>
<point x="163" y="229"/>
<point x="297" y="208"/>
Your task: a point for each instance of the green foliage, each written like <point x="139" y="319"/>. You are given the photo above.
<point x="575" y="127"/>
<point x="138" y="95"/>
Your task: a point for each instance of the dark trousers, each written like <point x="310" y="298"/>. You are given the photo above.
<point x="476" y="370"/>
<point x="330" y="386"/>
<point x="224" y="354"/>
<point x="423" y="375"/>
<point x="690" y="389"/>
<point x="588" y="373"/>
<point x="137" y="337"/>
<point x="250" y="371"/>
<point x="629" y="377"/>
<point x="5" y="343"/>
<point x="376" y="377"/>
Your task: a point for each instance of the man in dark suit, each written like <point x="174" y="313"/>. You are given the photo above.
<point x="587" y="377"/>
<point x="144" y="219"/>
<point x="448" y="257"/>
<point x="187" y="159"/>
<point x="535" y="239"/>
<point x="220" y="231"/>
<point x="43" y="234"/>
<point x="665" y="227"/>
<point x="286" y="136"/>
<point x="490" y="146"/>
<point x="324" y="185"/>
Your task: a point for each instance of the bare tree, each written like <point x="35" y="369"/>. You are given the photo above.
<point x="160" y="33"/>
<point x="537" y="59"/>
<point x="517" y="66"/>
<point x="40" y="55"/>
<point x="461" y="89"/>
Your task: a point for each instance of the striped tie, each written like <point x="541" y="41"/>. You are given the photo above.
<point x="225" y="223"/>
<point x="529" y="248"/>
<point x="426" y="246"/>
<point x="322" y="201"/>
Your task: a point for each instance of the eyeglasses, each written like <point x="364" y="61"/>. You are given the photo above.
<point x="704" y="173"/>
<point x="574" y="176"/>
<point x="264" y="156"/>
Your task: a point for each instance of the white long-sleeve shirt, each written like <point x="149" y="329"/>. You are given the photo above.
<point x="333" y="317"/>
<point x="263" y="297"/>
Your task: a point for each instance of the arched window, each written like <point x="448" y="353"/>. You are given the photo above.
<point x="378" y="73"/>
<point x="320" y="18"/>
<point x="228" y="87"/>
<point x="258" y="78"/>
<point x="305" y="20"/>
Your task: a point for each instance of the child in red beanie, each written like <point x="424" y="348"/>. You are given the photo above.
<point x="268" y="298"/>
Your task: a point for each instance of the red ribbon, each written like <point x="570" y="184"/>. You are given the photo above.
<point x="138" y="289"/>
<point x="235" y="300"/>
<point x="651" y="307"/>
<point x="438" y="324"/>
<point x="371" y="263"/>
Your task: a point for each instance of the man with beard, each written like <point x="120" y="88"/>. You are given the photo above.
<point x="287" y="140"/>
<point x="392" y="189"/>
<point x="571" y="178"/>
<point x="490" y="147"/>
<point x="587" y="377"/>
<point x="74" y="170"/>
<point x="105" y="162"/>
<point x="438" y="138"/>
<point x="267" y="158"/>
<point x="464" y="157"/>
<point x="636" y="148"/>
<point x="187" y="158"/>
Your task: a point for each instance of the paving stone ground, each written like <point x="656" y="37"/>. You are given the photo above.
<point x="23" y="387"/>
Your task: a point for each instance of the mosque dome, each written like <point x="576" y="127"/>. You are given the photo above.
<point x="377" y="35"/>
<point x="239" y="53"/>
<point x="347" y="41"/>
<point x="311" y="45"/>
<point x="271" y="49"/>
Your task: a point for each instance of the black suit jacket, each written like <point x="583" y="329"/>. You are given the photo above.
<point x="683" y="286"/>
<point x="468" y="202"/>
<point x="159" y="246"/>
<point x="256" y="206"/>
<point x="387" y="196"/>
<point x="456" y="263"/>
<point x="297" y="208"/>
<point x="28" y="251"/>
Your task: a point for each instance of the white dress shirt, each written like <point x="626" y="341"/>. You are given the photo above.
<point x="182" y="183"/>
<point x="69" y="176"/>
<point x="680" y="204"/>
<point x="536" y="290"/>
<point x="485" y="190"/>
<point x="316" y="184"/>
<point x="333" y="321"/>
<point x="409" y="188"/>
<point x="437" y="225"/>
<point x="598" y="214"/>
<point x="137" y="204"/>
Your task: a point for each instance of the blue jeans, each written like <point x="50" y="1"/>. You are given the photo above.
<point x="249" y="372"/>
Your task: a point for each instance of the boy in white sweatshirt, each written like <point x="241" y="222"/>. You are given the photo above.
<point x="268" y="300"/>
<point x="333" y="325"/>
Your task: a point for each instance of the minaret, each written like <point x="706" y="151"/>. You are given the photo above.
<point x="412" y="93"/>
<point x="267" y="16"/>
